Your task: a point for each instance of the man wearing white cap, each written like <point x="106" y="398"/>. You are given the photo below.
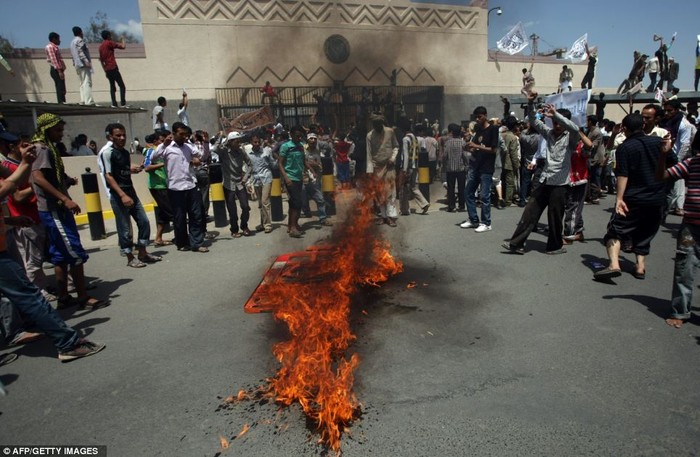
<point x="232" y="159"/>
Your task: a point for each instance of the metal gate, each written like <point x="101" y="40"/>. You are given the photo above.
<point x="336" y="107"/>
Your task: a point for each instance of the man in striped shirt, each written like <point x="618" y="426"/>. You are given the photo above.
<point x="687" y="248"/>
<point x="58" y="67"/>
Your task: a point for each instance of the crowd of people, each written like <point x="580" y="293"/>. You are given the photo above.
<point x="649" y="162"/>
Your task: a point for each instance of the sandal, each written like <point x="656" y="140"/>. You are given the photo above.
<point x="135" y="263"/>
<point x="391" y="223"/>
<point x="162" y="243"/>
<point x="607" y="273"/>
<point x="92" y="303"/>
<point x="247" y="232"/>
<point x="67" y="302"/>
<point x="150" y="258"/>
<point x="236" y="235"/>
<point x="200" y="249"/>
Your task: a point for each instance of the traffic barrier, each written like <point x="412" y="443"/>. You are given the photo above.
<point x="93" y="207"/>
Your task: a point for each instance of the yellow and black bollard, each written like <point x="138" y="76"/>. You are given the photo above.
<point x="216" y="192"/>
<point x="328" y="184"/>
<point x="424" y="174"/>
<point x="93" y="205"/>
<point x="276" y="210"/>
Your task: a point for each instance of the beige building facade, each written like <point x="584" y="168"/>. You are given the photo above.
<point x="204" y="45"/>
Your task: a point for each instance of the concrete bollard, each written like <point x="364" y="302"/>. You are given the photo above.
<point x="276" y="210"/>
<point x="424" y="174"/>
<point x="93" y="206"/>
<point x="328" y="184"/>
<point x="216" y="193"/>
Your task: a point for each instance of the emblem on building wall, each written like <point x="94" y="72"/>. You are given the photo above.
<point x="336" y="48"/>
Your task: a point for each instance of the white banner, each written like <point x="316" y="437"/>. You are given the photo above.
<point x="575" y="101"/>
<point x="577" y="53"/>
<point x="514" y="41"/>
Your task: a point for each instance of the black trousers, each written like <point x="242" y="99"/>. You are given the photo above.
<point x="114" y="77"/>
<point x="60" y="85"/>
<point x="554" y="199"/>
<point x="459" y="178"/>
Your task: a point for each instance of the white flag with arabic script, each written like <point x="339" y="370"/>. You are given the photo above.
<point x="514" y="41"/>
<point x="577" y="53"/>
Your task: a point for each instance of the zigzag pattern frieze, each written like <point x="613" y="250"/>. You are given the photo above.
<point x="317" y="12"/>
<point x="275" y="11"/>
<point x="267" y="71"/>
<point x="359" y="14"/>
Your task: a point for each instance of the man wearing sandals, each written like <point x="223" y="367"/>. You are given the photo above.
<point x="56" y="210"/>
<point x="640" y="197"/>
<point x="24" y="295"/>
<point x="116" y="163"/>
<point x="232" y="159"/>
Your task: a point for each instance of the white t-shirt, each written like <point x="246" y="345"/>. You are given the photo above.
<point x="183" y="116"/>
<point x="156" y="125"/>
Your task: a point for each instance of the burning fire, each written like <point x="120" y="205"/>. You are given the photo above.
<point x="315" y="371"/>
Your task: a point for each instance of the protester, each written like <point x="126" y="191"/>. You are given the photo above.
<point x="640" y="198"/>
<point x="561" y="140"/>
<point x="56" y="210"/>
<point x="159" y="115"/>
<point x="158" y="185"/>
<point x="83" y="66"/>
<point x="185" y="198"/>
<point x="483" y="147"/>
<point x="687" y="258"/>
<point x="109" y="65"/>
<point x="382" y="149"/>
<point x="23" y="294"/>
<point x="292" y="165"/>
<point x="116" y="163"/>
<point x="456" y="163"/>
<point x="182" y="113"/>
<point x="262" y="165"/>
<point x="58" y="67"/>
<point x="233" y="159"/>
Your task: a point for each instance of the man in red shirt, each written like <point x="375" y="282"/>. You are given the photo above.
<point x="109" y="64"/>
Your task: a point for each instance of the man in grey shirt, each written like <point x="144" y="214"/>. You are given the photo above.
<point x="561" y="141"/>
<point x="83" y="66"/>
<point x="232" y="158"/>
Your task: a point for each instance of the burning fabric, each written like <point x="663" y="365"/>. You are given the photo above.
<point x="310" y="292"/>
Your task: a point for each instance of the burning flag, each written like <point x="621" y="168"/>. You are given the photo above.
<point x="311" y="293"/>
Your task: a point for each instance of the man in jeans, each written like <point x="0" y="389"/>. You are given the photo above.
<point x="483" y="147"/>
<point x="24" y="295"/>
<point x="116" y="163"/>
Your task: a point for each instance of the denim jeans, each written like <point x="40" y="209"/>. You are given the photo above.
<point x="312" y="191"/>
<point x="11" y="323"/>
<point x="29" y="301"/>
<point x="474" y="178"/>
<point x="525" y="181"/>
<point x="687" y="264"/>
<point x="121" y="217"/>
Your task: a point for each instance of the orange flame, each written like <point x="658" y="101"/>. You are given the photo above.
<point x="315" y="372"/>
<point x="243" y="431"/>
<point x="224" y="442"/>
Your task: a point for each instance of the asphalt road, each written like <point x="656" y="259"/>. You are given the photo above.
<point x="490" y="355"/>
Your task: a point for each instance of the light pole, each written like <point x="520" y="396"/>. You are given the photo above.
<point x="498" y="11"/>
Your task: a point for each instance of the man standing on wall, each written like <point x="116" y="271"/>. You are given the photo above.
<point x="109" y="64"/>
<point x="83" y="66"/>
<point x="58" y="67"/>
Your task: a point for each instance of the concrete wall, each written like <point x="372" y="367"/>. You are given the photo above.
<point x="201" y="46"/>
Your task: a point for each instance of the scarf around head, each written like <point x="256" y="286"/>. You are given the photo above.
<point x="44" y="123"/>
